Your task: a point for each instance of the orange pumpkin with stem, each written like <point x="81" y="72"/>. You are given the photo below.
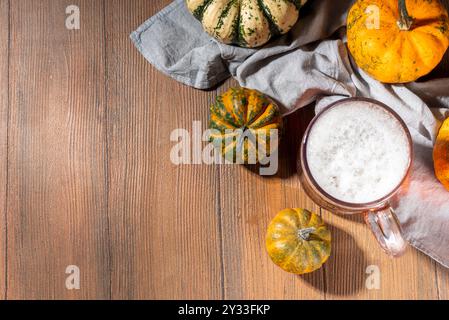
<point x="398" y="41"/>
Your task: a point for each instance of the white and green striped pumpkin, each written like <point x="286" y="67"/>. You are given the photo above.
<point x="248" y="23"/>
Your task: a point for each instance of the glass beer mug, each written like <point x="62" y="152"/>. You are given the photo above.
<point x="378" y="213"/>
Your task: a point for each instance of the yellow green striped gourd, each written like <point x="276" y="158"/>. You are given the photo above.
<point x="247" y="23"/>
<point x="298" y="241"/>
<point x="245" y="125"/>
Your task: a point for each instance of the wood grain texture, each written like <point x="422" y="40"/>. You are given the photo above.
<point x="4" y="94"/>
<point x="57" y="199"/>
<point x="248" y="202"/>
<point x="443" y="282"/>
<point x="412" y="276"/>
<point x="165" y="232"/>
<point x="89" y="180"/>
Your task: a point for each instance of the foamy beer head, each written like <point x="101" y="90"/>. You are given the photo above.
<point x="358" y="152"/>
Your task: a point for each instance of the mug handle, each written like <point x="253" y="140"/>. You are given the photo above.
<point x="386" y="228"/>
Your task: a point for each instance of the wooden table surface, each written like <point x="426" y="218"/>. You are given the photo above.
<point x="86" y="179"/>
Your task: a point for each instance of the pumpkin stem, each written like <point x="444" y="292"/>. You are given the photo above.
<point x="405" y="21"/>
<point x="304" y="234"/>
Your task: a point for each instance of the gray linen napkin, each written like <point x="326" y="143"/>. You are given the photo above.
<point x="309" y="64"/>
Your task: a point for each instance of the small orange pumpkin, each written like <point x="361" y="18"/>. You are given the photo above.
<point x="441" y="155"/>
<point x="398" y="41"/>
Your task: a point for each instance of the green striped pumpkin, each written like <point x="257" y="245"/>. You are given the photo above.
<point x="248" y="23"/>
<point x="242" y="123"/>
<point x="298" y="241"/>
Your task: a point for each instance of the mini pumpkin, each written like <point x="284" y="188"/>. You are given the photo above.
<point x="441" y="155"/>
<point x="298" y="241"/>
<point x="248" y="23"/>
<point x="245" y="125"/>
<point x="398" y="41"/>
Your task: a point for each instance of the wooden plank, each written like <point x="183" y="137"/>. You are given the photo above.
<point x="57" y="153"/>
<point x="443" y="282"/>
<point x="249" y="202"/>
<point x="164" y="218"/>
<point x="311" y="286"/>
<point x="411" y="276"/>
<point x="4" y="56"/>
